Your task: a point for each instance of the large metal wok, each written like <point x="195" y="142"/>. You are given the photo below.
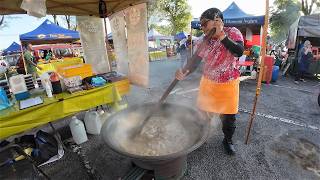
<point x="118" y="127"/>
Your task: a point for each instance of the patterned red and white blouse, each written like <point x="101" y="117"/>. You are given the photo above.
<point x="219" y="62"/>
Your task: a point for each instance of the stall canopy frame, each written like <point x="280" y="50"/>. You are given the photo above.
<point x="71" y="7"/>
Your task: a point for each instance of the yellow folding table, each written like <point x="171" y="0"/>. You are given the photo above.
<point x="13" y="120"/>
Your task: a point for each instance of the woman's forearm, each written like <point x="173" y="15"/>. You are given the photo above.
<point x="235" y="48"/>
<point x="192" y="63"/>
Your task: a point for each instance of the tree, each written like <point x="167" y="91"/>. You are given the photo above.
<point x="308" y="5"/>
<point x="4" y="20"/>
<point x="285" y="13"/>
<point x="66" y="20"/>
<point x="1" y="20"/>
<point x="71" y="22"/>
<point x="55" y="20"/>
<point x="174" y="15"/>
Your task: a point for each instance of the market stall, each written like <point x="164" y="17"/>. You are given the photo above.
<point x="16" y="120"/>
<point x="49" y="33"/>
<point x="12" y="53"/>
<point x="305" y="28"/>
<point x="157" y="45"/>
<point x="12" y="49"/>
<point x="70" y="89"/>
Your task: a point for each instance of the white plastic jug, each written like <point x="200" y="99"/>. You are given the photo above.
<point x="92" y="122"/>
<point x="78" y="131"/>
<point x="253" y="74"/>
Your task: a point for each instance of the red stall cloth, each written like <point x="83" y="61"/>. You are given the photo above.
<point x="255" y="41"/>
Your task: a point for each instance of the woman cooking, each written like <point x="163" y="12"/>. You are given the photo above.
<point x="219" y="85"/>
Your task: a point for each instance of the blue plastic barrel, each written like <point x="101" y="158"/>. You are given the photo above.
<point x="275" y="73"/>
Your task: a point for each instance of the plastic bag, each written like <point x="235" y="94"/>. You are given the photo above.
<point x="4" y="101"/>
<point x="46" y="146"/>
<point x="35" y="8"/>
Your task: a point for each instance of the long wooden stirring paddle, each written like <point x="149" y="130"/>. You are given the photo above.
<point x="187" y="68"/>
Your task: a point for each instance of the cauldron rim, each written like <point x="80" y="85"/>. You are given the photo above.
<point x="204" y="137"/>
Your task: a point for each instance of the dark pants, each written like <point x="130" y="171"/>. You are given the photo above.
<point x="299" y="76"/>
<point x="228" y="126"/>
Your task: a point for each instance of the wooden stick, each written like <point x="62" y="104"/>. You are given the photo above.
<point x="23" y="60"/>
<point x="191" y="44"/>
<point x="263" y="55"/>
<point x="107" y="42"/>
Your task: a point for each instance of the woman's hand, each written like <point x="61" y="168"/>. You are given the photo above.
<point x="180" y="75"/>
<point x="218" y="24"/>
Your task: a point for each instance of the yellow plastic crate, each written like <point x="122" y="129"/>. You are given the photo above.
<point x="54" y="65"/>
<point x="83" y="70"/>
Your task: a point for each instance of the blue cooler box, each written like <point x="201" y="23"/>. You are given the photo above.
<point x="275" y="73"/>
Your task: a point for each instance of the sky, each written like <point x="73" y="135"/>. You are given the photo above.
<point x="24" y="23"/>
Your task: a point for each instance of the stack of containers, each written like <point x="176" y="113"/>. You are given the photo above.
<point x="29" y="82"/>
<point x="18" y="87"/>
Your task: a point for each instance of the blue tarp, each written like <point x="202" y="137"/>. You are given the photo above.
<point x="13" y="48"/>
<point x="49" y="31"/>
<point x="234" y="16"/>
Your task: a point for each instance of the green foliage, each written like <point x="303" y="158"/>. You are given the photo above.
<point x="172" y="15"/>
<point x="4" y="19"/>
<point x="283" y="15"/>
<point x="287" y="12"/>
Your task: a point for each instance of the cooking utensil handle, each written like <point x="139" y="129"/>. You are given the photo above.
<point x="169" y="89"/>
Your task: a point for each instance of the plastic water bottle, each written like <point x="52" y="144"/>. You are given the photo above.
<point x="78" y="131"/>
<point x="92" y="122"/>
<point x="48" y="89"/>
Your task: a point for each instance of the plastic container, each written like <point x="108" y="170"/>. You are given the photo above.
<point x="267" y="71"/>
<point x="254" y="74"/>
<point x="92" y="122"/>
<point x="78" y="131"/>
<point x="275" y="73"/>
<point x="18" y="84"/>
<point x="48" y="89"/>
<point x="45" y="77"/>
<point x="83" y="70"/>
<point x="55" y="83"/>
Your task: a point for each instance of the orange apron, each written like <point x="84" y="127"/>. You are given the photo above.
<point x="220" y="98"/>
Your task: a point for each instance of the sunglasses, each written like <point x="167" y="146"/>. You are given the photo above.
<point x="204" y="22"/>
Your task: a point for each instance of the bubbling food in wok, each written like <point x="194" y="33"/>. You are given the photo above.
<point x="159" y="136"/>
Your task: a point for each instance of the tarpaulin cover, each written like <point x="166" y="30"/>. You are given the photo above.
<point x="305" y="26"/>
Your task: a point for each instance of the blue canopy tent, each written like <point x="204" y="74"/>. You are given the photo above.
<point x="48" y="33"/>
<point x="234" y="16"/>
<point x="180" y="36"/>
<point x="14" y="48"/>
